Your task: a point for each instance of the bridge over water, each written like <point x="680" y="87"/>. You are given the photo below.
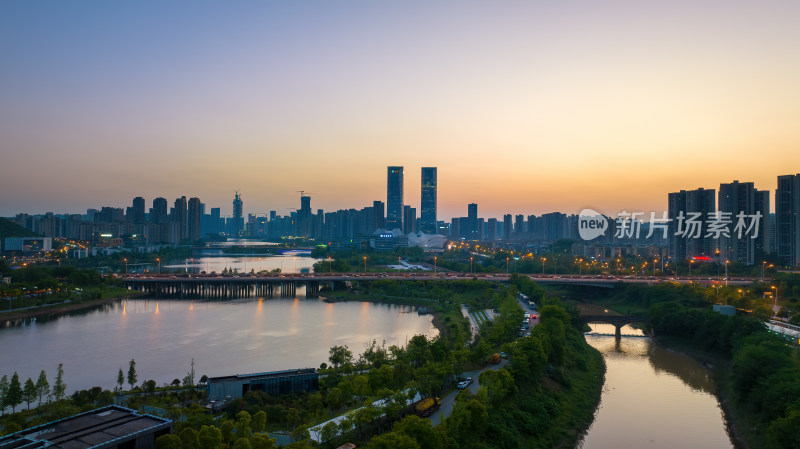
<point x="618" y="321"/>
<point x="224" y="287"/>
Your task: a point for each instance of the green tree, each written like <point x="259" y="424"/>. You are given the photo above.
<point x="3" y="393"/>
<point x="149" y="386"/>
<point x="189" y="438"/>
<point x="328" y="432"/>
<point x="300" y="433"/>
<point x="120" y="379"/>
<point x="14" y="394"/>
<point x="393" y="440"/>
<point x="29" y="392"/>
<point x="340" y="355"/>
<point x="262" y="441"/>
<point x="226" y="428"/>
<point x="259" y="423"/>
<point x="59" y="387"/>
<point x="243" y="425"/>
<point x="209" y="437"/>
<point x="132" y="373"/>
<point x="334" y="398"/>
<point x="293" y="417"/>
<point x="188" y="380"/>
<point x="421" y="430"/>
<point x="42" y="386"/>
<point x="169" y="441"/>
<point x="499" y="384"/>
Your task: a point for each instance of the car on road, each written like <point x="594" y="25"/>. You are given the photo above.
<point x="463" y="384"/>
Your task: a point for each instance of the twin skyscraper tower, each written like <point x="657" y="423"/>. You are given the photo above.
<point x="396" y="216"/>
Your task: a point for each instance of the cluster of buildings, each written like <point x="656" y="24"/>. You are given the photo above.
<point x="185" y="221"/>
<point x="389" y="224"/>
<point x="774" y="234"/>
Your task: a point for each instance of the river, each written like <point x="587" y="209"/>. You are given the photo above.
<point x="288" y="262"/>
<point x="223" y="337"/>
<point x="653" y="397"/>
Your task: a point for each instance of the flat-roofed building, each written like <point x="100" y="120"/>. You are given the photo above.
<point x="273" y="382"/>
<point x="103" y="428"/>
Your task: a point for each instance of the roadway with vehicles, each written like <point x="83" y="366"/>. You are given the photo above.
<point x="446" y="403"/>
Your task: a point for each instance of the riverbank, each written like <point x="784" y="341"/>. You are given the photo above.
<point x="66" y="307"/>
<point x="719" y="368"/>
<point x="557" y="408"/>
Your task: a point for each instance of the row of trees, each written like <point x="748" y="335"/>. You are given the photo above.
<point x="13" y="393"/>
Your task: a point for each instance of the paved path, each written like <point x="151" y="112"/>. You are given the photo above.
<point x="446" y="403"/>
<point x="473" y="326"/>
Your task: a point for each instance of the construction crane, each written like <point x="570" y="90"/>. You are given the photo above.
<point x="304" y="193"/>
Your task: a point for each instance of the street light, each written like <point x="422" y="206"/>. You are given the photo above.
<point x="434" y="265"/>
<point x="470" y="265"/>
<point x="126" y="266"/>
<point x="726" y="272"/>
<point x="762" y="270"/>
<point x="159" y="264"/>
<point x="655" y="262"/>
<point x="365" y="264"/>
<point x="691" y="261"/>
<point x="330" y="265"/>
<point x="776" y="297"/>
<point x="544" y="259"/>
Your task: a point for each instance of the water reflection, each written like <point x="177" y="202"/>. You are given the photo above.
<point x="224" y="337"/>
<point x="653" y="397"/>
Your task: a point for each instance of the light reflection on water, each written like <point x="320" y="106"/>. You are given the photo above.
<point x="230" y="337"/>
<point x="287" y="263"/>
<point x="653" y="397"/>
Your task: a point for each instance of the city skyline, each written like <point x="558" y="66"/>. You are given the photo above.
<point x="240" y="209"/>
<point x="528" y="108"/>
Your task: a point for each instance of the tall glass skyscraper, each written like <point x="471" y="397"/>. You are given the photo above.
<point x="394" y="198"/>
<point x="428" y="204"/>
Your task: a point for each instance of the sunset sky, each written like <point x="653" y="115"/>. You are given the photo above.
<point x="524" y="107"/>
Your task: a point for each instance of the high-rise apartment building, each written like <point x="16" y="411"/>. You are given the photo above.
<point x="695" y="206"/>
<point x="179" y="211"/>
<point x="428" y="203"/>
<point x="787" y="221"/>
<point x="137" y="210"/>
<point x="491" y="231"/>
<point x="304" y="221"/>
<point x="158" y="214"/>
<point x="507" y="227"/>
<point x="470" y="229"/>
<point x="394" y="198"/>
<point x="743" y="198"/>
<point x="194" y="213"/>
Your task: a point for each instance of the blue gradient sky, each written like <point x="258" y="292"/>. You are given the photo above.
<point x="525" y="107"/>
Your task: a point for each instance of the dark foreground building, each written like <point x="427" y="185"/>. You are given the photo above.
<point x="274" y="382"/>
<point x="111" y="427"/>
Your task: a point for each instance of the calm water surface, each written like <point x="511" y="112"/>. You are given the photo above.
<point x="287" y="263"/>
<point x="653" y="398"/>
<point x="231" y="337"/>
